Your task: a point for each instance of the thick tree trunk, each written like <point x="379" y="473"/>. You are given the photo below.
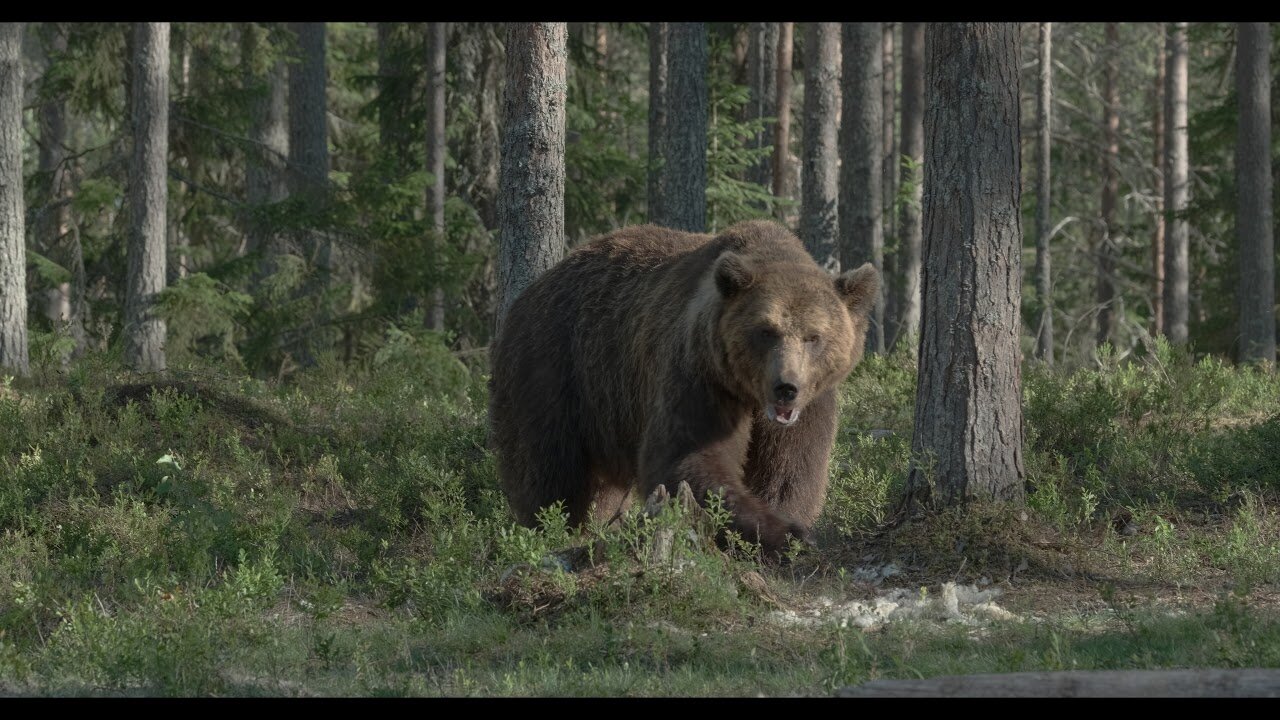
<point x="265" y="171"/>
<point x="684" y="165"/>
<point x="762" y="78"/>
<point x="436" y="148"/>
<point x="861" y="218"/>
<point x="889" y="184"/>
<point x="13" y="248"/>
<point x="177" y="255"/>
<point x="144" y="331"/>
<point x="820" y="173"/>
<point x="968" y="414"/>
<point x="1106" y="283"/>
<point x="1254" y="220"/>
<point x="909" y="225"/>
<point x="531" y="208"/>
<point x="309" y="175"/>
<point x="1158" y="234"/>
<point x="782" y="130"/>
<point x="659" y="89"/>
<point x="1177" y="191"/>
<point x="1044" y="217"/>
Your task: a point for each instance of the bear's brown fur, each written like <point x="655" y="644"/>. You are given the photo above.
<point x="650" y="356"/>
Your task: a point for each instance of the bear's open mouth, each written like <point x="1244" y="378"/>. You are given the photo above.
<point x="782" y="415"/>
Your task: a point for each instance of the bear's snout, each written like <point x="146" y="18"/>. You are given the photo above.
<point x="785" y="392"/>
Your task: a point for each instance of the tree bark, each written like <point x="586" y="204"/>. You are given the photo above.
<point x="782" y="130"/>
<point x="1106" y="287"/>
<point x="820" y="174"/>
<point x="1158" y="233"/>
<point x="1044" y="217"/>
<point x="891" y="163"/>
<point x="1255" y="219"/>
<point x="308" y="131"/>
<point x="968" y="414"/>
<point x="531" y="208"/>
<point x="13" y="248"/>
<point x="659" y="88"/>
<point x="861" y="216"/>
<point x="762" y="78"/>
<point x="266" y="76"/>
<point x="909" y="224"/>
<point x="1177" y="191"/>
<point x="479" y="67"/>
<point x="684" y="165"/>
<point x="144" y="330"/>
<point x="436" y="148"/>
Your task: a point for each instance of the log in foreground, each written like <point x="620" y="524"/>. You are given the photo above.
<point x="1250" y="682"/>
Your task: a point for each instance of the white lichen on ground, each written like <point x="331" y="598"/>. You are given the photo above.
<point x="965" y="604"/>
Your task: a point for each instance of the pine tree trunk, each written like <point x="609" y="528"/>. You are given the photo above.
<point x="909" y="224"/>
<point x="308" y="130"/>
<point x="531" y="208"/>
<point x="1158" y="234"/>
<point x="684" y="166"/>
<point x="861" y="229"/>
<point x="63" y="305"/>
<point x="762" y="78"/>
<point x="13" y="248"/>
<point x="265" y="170"/>
<point x="1106" y="287"/>
<point x="1044" y="217"/>
<point x="177" y="254"/>
<point x="968" y="413"/>
<point x="436" y="148"/>
<point x="782" y="130"/>
<point x="479" y="66"/>
<point x="1177" y="191"/>
<point x="820" y="174"/>
<point x="1255" y="217"/>
<point x="144" y="331"/>
<point x="891" y="163"/>
<point x="659" y="89"/>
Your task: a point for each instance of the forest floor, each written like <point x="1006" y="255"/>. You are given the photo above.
<point x="343" y="534"/>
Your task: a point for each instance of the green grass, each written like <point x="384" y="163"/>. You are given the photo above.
<point x="345" y="534"/>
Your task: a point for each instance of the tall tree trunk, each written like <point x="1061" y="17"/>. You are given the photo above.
<point x="684" y="165"/>
<point x="909" y="225"/>
<point x="762" y="78"/>
<point x="1106" y="288"/>
<point x="308" y="126"/>
<point x="1158" y="233"/>
<point x="1255" y="218"/>
<point x="1177" y="191"/>
<point x="13" y="248"/>
<point x="782" y="130"/>
<point x="889" y="184"/>
<point x="602" y="46"/>
<point x="861" y="217"/>
<point x="64" y="305"/>
<point x="177" y="254"/>
<point x="820" y="167"/>
<point x="436" y="148"/>
<point x="266" y="76"/>
<point x="144" y="331"/>
<point x="968" y="414"/>
<point x="309" y="171"/>
<point x="531" y="209"/>
<point x="1044" y="217"/>
<point x="659" y="89"/>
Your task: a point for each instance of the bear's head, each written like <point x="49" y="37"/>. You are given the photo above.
<point x="790" y="331"/>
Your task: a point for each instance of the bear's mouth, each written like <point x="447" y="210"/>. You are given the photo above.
<point x="781" y="414"/>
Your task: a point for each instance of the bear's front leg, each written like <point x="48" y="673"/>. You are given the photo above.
<point x="713" y="463"/>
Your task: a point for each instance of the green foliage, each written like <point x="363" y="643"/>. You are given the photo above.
<point x="197" y="308"/>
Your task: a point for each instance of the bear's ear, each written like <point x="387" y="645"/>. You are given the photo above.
<point x="733" y="273"/>
<point x="859" y="289"/>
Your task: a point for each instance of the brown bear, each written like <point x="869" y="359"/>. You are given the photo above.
<point x="651" y="356"/>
